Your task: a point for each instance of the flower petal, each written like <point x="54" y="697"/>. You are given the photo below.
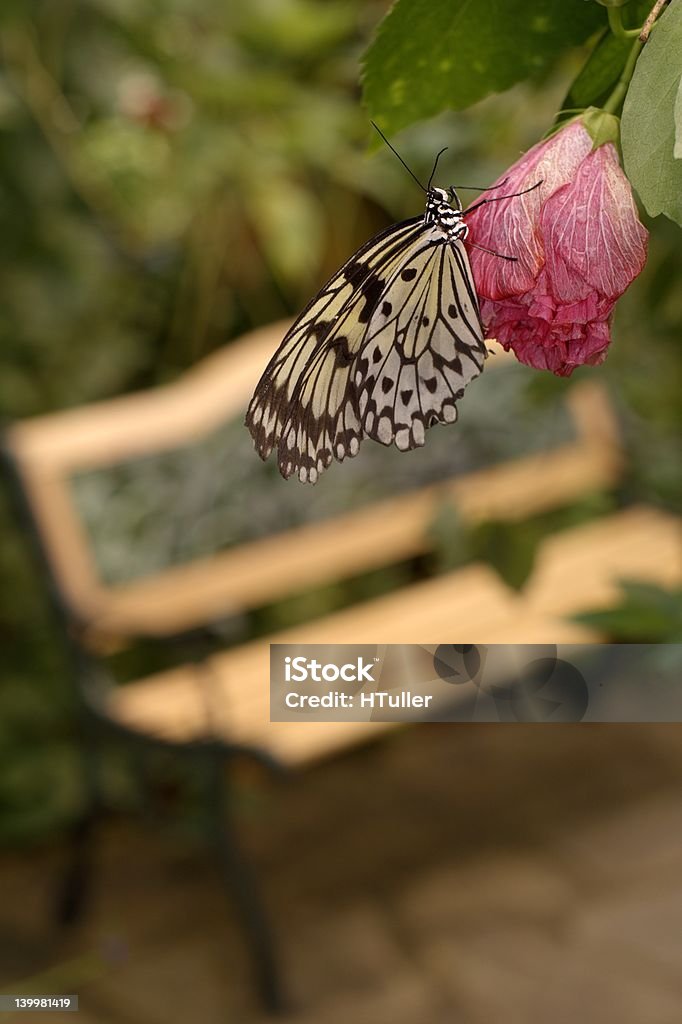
<point x="541" y="336"/>
<point x="593" y="238"/>
<point x="512" y="227"/>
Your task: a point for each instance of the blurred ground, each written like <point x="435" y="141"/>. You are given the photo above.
<point x="447" y="874"/>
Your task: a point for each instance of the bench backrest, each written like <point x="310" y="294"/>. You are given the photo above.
<point x="47" y="451"/>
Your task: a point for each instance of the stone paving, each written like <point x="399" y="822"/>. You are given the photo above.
<point x="445" y="875"/>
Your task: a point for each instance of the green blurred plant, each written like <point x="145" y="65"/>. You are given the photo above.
<point x="165" y="181"/>
<point x="644" y="614"/>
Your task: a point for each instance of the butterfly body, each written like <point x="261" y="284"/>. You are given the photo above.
<point x="448" y="219"/>
<point x="384" y="351"/>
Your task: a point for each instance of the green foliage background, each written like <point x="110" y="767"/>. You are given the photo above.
<point x="175" y="172"/>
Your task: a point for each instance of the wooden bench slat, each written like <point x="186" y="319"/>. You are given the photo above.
<point x="582" y="568"/>
<point x="129" y="426"/>
<point x="576" y="570"/>
<point x="173" y="704"/>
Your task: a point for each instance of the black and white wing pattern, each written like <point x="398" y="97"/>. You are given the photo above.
<point x="423" y="345"/>
<point x="306" y="403"/>
<point x="383" y="351"/>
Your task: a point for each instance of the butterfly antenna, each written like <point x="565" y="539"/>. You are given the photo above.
<point x="496" y="199"/>
<point x="512" y="259"/>
<point x="395" y="151"/>
<point x="481" y="188"/>
<point x="435" y="165"/>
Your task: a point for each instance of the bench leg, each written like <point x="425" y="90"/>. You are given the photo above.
<point x="76" y="882"/>
<point x="242" y="887"/>
<point x="75" y="885"/>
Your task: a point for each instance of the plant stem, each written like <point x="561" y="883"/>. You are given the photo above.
<point x="615" y="100"/>
<point x="651" y="18"/>
<point x="615" y="15"/>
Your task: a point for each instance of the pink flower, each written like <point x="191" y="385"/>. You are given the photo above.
<point x="578" y="244"/>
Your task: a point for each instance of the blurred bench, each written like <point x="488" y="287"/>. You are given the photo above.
<point x="218" y="707"/>
<point x="576" y="570"/>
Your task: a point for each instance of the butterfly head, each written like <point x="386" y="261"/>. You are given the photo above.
<point x="444" y="210"/>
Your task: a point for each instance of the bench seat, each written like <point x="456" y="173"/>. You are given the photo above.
<point x="576" y="570"/>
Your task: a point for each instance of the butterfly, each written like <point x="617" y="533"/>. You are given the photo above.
<point x="384" y="351"/>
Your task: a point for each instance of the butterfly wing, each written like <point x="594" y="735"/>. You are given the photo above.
<point x="306" y="402"/>
<point x="384" y="351"/>
<point x="423" y="345"/>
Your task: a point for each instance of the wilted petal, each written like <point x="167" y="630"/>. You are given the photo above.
<point x="548" y="336"/>
<point x="592" y="307"/>
<point x="562" y="352"/>
<point x="593" y="238"/>
<point x="512" y="227"/>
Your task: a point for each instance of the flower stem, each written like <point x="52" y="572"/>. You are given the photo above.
<point x="615" y="15"/>
<point x="615" y="100"/>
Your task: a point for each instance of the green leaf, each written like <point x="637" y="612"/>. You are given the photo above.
<point x="648" y="123"/>
<point x="434" y="55"/>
